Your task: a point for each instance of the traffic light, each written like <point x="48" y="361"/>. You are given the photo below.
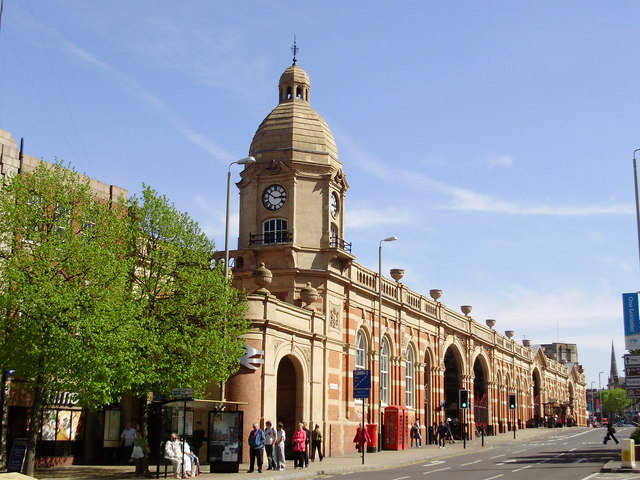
<point x="512" y="400"/>
<point x="464" y="398"/>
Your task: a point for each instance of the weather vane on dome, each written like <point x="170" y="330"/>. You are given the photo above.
<point x="294" y="49"/>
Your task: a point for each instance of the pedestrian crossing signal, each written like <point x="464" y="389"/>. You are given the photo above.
<point x="512" y="400"/>
<point x="464" y="398"/>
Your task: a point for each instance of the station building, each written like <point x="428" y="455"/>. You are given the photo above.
<point x="316" y="317"/>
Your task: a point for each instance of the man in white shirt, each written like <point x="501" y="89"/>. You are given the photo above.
<point x="127" y="437"/>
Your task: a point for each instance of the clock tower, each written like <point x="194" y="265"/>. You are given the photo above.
<point x="292" y="198"/>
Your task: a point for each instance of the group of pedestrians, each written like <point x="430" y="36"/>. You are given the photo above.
<point x="272" y="441"/>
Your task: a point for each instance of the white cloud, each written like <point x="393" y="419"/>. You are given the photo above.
<point x="360" y="218"/>
<point x="458" y="198"/>
<point x="499" y="160"/>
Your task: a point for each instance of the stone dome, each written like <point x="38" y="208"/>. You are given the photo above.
<point x="293" y="125"/>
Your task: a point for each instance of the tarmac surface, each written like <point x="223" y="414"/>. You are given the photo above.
<point x="330" y="465"/>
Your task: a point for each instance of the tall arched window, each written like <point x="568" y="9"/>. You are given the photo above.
<point x="384" y="372"/>
<point x="361" y="352"/>
<point x="409" y="384"/>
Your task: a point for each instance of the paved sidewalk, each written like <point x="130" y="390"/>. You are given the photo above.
<point x="335" y="465"/>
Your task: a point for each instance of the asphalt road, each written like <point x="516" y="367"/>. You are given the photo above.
<point x="567" y="455"/>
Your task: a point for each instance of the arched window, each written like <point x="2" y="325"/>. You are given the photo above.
<point x="275" y="231"/>
<point x="384" y="372"/>
<point x="409" y="387"/>
<point x="361" y="352"/>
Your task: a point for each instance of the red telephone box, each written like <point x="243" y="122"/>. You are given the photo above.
<point x="396" y="428"/>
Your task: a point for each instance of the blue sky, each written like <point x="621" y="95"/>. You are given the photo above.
<point x="493" y="138"/>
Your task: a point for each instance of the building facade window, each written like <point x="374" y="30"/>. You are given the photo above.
<point x="409" y="382"/>
<point x="361" y="352"/>
<point x="384" y="372"/>
<point x="275" y="231"/>
<point x="334" y="236"/>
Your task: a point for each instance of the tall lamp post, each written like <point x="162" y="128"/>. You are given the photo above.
<point x="388" y="239"/>
<point x="635" y="183"/>
<point x="600" y="394"/>
<point x="227" y="270"/>
<point x="591" y="390"/>
<point x="243" y="161"/>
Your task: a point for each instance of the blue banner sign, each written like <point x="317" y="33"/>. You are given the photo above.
<point x="631" y="321"/>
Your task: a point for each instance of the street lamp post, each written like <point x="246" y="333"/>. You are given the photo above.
<point x="227" y="270"/>
<point x="600" y="394"/>
<point x="388" y="239"/>
<point x="591" y="391"/>
<point x="243" y="161"/>
<point x="635" y="183"/>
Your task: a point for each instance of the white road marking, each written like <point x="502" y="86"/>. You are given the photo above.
<point x="518" y="451"/>
<point x="433" y="462"/>
<point x="400" y="478"/>
<point x="498" y="456"/>
<point x="438" y="470"/>
<point x="506" y="461"/>
<point x="470" y="463"/>
<point x="519" y="469"/>
<point x="495" y="476"/>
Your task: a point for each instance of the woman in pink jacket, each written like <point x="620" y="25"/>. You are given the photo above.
<point x="299" y="441"/>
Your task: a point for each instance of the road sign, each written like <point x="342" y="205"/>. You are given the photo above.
<point x="632" y="382"/>
<point x="632" y="371"/>
<point x="633" y="392"/>
<point x="631" y="360"/>
<point x="182" y="393"/>
<point x="361" y="383"/>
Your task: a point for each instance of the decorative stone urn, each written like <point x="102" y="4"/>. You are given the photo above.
<point x="509" y="333"/>
<point x="262" y="276"/>
<point x="526" y="343"/>
<point x="490" y="322"/>
<point x="397" y="274"/>
<point x="308" y="295"/>
<point x="435" y="294"/>
<point x="466" y="309"/>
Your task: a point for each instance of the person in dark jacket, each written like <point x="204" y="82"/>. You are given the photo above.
<point x="610" y="434"/>
<point x="256" y="448"/>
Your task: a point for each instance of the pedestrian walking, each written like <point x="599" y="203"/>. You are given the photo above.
<point x="610" y="434"/>
<point x="442" y="434"/>
<point x="307" y="443"/>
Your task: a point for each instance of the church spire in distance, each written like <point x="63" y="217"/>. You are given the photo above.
<point x="614" y="378"/>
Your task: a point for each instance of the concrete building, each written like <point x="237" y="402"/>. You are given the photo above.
<point x="315" y="310"/>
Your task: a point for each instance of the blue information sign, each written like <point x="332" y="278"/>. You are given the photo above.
<point x="631" y="321"/>
<point x="361" y="383"/>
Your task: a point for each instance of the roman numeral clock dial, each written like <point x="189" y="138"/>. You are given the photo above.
<point x="274" y="197"/>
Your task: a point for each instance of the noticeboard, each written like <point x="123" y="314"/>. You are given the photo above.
<point x="225" y="442"/>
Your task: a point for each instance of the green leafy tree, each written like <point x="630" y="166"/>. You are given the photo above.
<point x="66" y="323"/>
<point x="196" y="318"/>
<point x="615" y="400"/>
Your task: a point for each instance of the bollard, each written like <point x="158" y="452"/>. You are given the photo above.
<point x="628" y="453"/>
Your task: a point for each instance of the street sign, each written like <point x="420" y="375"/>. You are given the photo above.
<point x="361" y="383"/>
<point x="182" y="393"/>
<point x="631" y="317"/>
<point x="631" y="360"/>
<point x="633" y="392"/>
<point x="632" y="382"/>
<point x="632" y="371"/>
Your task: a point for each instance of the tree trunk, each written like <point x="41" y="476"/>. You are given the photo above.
<point x="35" y="424"/>
<point x="4" y="417"/>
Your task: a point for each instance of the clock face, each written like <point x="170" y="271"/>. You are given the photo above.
<point x="333" y="206"/>
<point x="274" y="197"/>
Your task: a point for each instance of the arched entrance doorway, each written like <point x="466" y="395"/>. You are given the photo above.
<point x="480" y="397"/>
<point x="537" y="404"/>
<point x="288" y="398"/>
<point x="452" y="386"/>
